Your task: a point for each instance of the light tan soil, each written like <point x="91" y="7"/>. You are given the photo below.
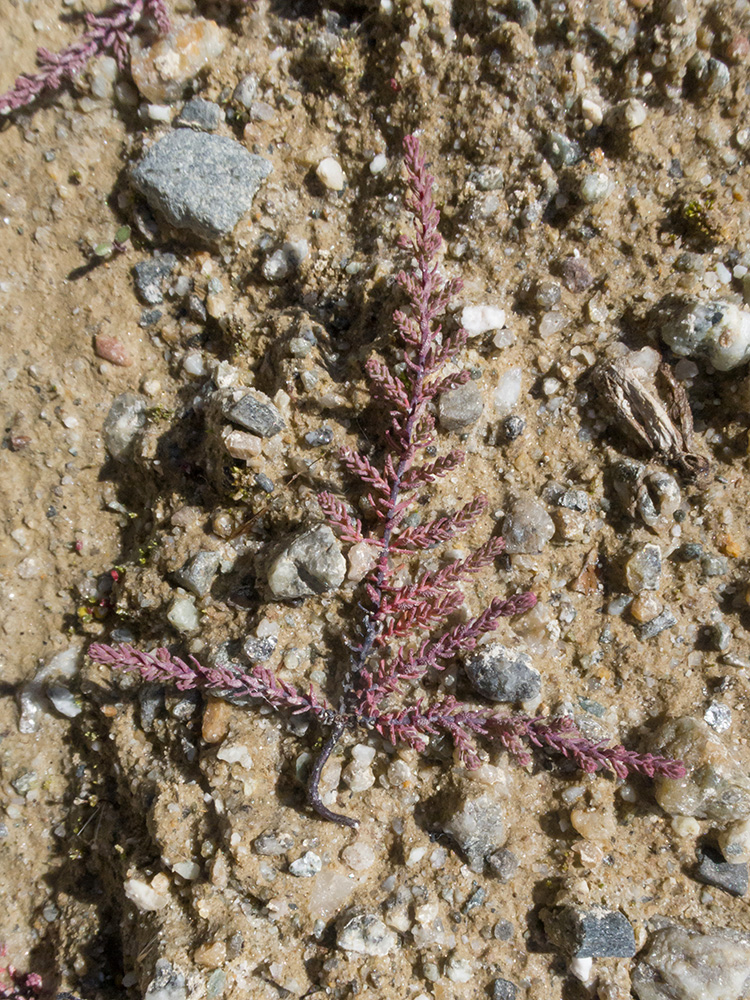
<point x="115" y="797"/>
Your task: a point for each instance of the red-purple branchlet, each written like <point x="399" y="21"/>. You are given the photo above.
<point x="107" y="33"/>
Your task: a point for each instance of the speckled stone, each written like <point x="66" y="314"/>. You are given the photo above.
<point x="199" y="182"/>
<point x="592" y="933"/>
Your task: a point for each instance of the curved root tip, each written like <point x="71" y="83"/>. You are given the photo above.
<point x="313" y="787"/>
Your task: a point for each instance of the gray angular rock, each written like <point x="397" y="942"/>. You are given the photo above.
<point x="255" y="412"/>
<point x="476" y="823"/>
<point x="149" y="275"/>
<point x="503" y="864"/>
<point x="682" y="964"/>
<point x="168" y="983"/>
<point x="365" y="934"/>
<point x="205" y="116"/>
<point x="125" y="420"/>
<point x="716" y="786"/>
<point x="271" y="844"/>
<point x="589" y="933"/>
<point x="461" y="407"/>
<point x="657" y="625"/>
<point x="257" y="650"/>
<point x="307" y="866"/>
<point x="504" y="989"/>
<point x="502" y="674"/>
<point x="311" y="563"/>
<point x="714" y="870"/>
<point x="528" y="527"/>
<point x="198" y="573"/>
<point x="199" y="182"/>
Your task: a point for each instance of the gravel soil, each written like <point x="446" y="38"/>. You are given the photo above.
<point x="591" y="169"/>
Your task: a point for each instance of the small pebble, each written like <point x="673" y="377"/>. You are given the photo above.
<point x="111" y="349"/>
<point x="330" y="174"/>
<point x="460" y="408"/>
<point x="183" y="615"/>
<point x="264" y="483"/>
<point x="718" y="717"/>
<point x="513" y="427"/>
<point x="477" y="320"/>
<point x="643" y="569"/>
<point x="161" y="69"/>
<point x="365" y="934"/>
<point x="210" y="956"/>
<point x="502" y="674"/>
<point x="200" y="114"/>
<point x="658" y="625"/>
<point x="311" y="563"/>
<point x="714" y="870"/>
<point x="216" y="716"/>
<point x="591" y="933"/>
<point x="595" y="188"/>
<point x="503" y="864"/>
<point x="378" y="163"/>
<point x="125" y="420"/>
<point x="507" y="392"/>
<point x="528" y="527"/>
<point x="576" y="274"/>
<point x="306" y="866"/>
<point x="645" y="607"/>
<point x="320" y="437"/>
<point x="254" y="411"/>
<point x="504" y="989"/>
<point x="734" y="842"/>
<point x="150" y="275"/>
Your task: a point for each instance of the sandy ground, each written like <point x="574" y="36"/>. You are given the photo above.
<point x="127" y="789"/>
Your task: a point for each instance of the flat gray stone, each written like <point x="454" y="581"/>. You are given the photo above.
<point x="714" y="870"/>
<point x="255" y="412"/>
<point x="202" y="115"/>
<point x="199" y="182"/>
<point x="592" y="933"/>
<point x="198" y="573"/>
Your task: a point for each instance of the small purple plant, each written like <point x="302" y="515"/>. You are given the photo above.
<point x="406" y="629"/>
<point x="108" y="34"/>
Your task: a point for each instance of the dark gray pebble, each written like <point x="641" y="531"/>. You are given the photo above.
<point x="150" y="274"/>
<point x="255" y="412"/>
<point x="513" y="427"/>
<point x="205" y="116"/>
<point x="663" y="621"/>
<point x="266" y="484"/>
<point x="594" y="933"/>
<point x="503" y="989"/>
<point x="714" y="870"/>
<point x="502" y="674"/>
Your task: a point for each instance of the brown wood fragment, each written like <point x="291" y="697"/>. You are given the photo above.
<point x="657" y="415"/>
